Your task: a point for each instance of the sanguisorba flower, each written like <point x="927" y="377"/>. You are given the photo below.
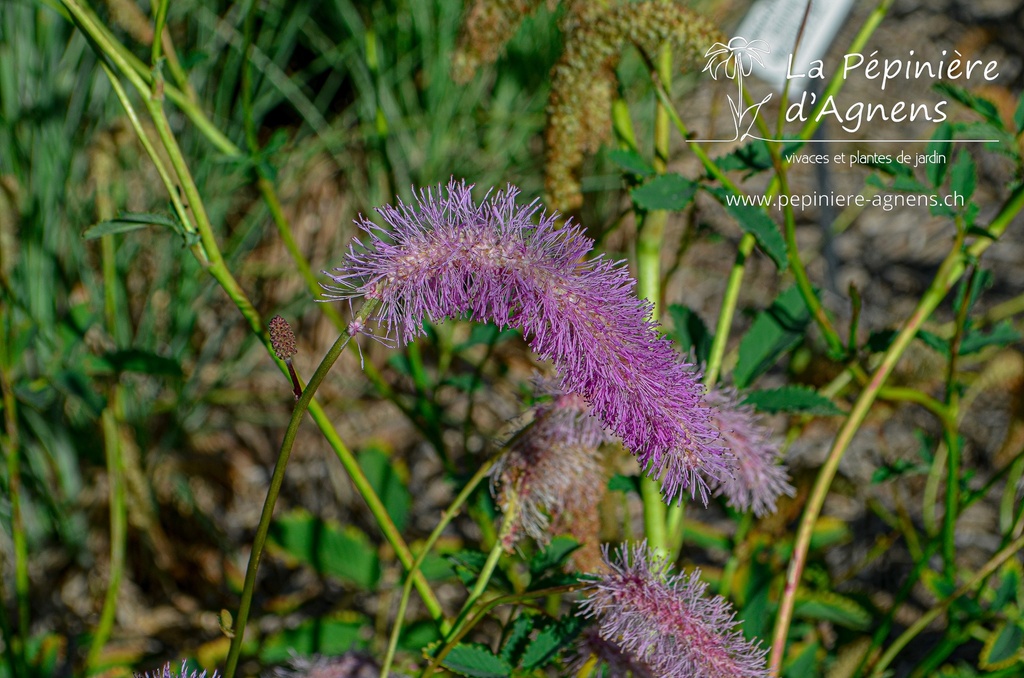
<point x="167" y="672"/>
<point x="551" y="479"/>
<point x="667" y="620"/>
<point x="757" y="480"/>
<point x="448" y="256"/>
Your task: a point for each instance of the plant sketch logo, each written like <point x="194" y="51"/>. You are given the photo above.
<point x="736" y="61"/>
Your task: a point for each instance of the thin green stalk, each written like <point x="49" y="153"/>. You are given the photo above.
<point x="159" y="21"/>
<point x="486" y="572"/>
<point x="276" y="480"/>
<point x="949" y="273"/>
<point x="931" y="615"/>
<point x="728" y="310"/>
<point x="935" y="293"/>
<point x="648" y="254"/>
<point x="803" y="282"/>
<point x="951" y="434"/>
<point x="446" y="517"/>
<point x="118" y="531"/>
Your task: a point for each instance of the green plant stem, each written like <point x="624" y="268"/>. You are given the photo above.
<point x="803" y="282"/>
<point x="931" y="615"/>
<point x="650" y="240"/>
<point x="277" y="480"/>
<point x="159" y="21"/>
<point x="950" y="271"/>
<point x="446" y="517"/>
<point x="118" y="530"/>
<point x="951" y="433"/>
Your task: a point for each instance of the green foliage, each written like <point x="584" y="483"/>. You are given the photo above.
<point x="792" y="399"/>
<point x="756" y="221"/>
<point x="690" y="333"/>
<point x="774" y="332"/>
<point x="476" y="661"/>
<point x="387" y="484"/>
<point x="665" y="192"/>
<point x="326" y="635"/>
<point x="631" y="162"/>
<point x="328" y="548"/>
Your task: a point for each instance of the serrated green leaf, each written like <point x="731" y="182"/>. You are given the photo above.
<point x="983" y="280"/>
<point x="983" y="107"/>
<point x="1003" y="647"/>
<point x="1002" y="334"/>
<point x="476" y="661"/>
<point x="754" y="220"/>
<point x="130" y="222"/>
<point x="388" y="485"/>
<point x="550" y="641"/>
<point x="941" y="143"/>
<point x="775" y="331"/>
<point x="830" y="606"/>
<point x="792" y="399"/>
<point x="553" y="557"/>
<point x="632" y="162"/>
<point x="515" y="639"/>
<point x="345" y="553"/>
<point x="908" y="184"/>
<point x="690" y="332"/>
<point x="1011" y="586"/>
<point x="895" y="469"/>
<point x="326" y="635"/>
<point x="665" y="192"/>
<point x="754" y="157"/>
<point x="963" y="176"/>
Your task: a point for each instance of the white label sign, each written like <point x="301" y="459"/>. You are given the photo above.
<point x="777" y="22"/>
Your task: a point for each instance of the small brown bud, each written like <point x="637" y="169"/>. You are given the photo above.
<point x="282" y="338"/>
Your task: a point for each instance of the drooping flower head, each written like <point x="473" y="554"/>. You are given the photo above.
<point x="667" y="620"/>
<point x="551" y="478"/>
<point x="448" y="256"/>
<point x="169" y="673"/>
<point x="758" y="480"/>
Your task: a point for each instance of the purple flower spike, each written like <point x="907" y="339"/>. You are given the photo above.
<point x="667" y="621"/>
<point x="758" y="480"/>
<point x="448" y="256"/>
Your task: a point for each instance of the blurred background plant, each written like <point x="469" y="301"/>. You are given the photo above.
<point x="143" y="413"/>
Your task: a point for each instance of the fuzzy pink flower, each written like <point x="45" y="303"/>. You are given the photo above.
<point x="667" y="621"/>
<point x="552" y="473"/>
<point x="757" y="480"/>
<point x="447" y="256"/>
